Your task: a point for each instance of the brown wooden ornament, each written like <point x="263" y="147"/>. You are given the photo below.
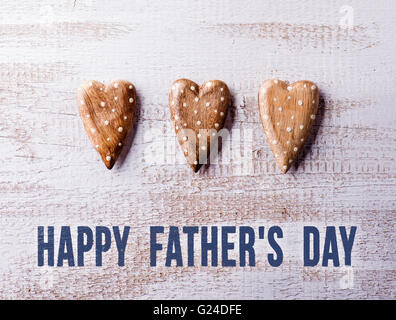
<point x="287" y="113"/>
<point x="107" y="113"/>
<point x="198" y="114"/>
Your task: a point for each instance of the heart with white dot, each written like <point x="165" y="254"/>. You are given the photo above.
<point x="107" y="113"/>
<point x="287" y="113"/>
<point x="198" y="113"/>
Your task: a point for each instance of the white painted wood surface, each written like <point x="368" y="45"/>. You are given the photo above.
<point x="51" y="175"/>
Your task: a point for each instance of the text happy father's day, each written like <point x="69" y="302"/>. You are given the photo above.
<point x="203" y="246"/>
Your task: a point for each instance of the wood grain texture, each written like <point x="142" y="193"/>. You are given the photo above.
<point x="107" y="114"/>
<point x="198" y="114"/>
<point x="50" y="174"/>
<point x="287" y="113"/>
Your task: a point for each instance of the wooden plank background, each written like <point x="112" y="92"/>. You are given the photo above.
<point x="51" y="175"/>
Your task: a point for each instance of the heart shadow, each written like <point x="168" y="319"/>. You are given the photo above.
<point x="314" y="132"/>
<point x="131" y="137"/>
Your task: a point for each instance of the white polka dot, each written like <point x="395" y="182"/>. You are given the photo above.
<point x="93" y="130"/>
<point x="176" y="117"/>
<point x="292" y="117"/>
<point x="115" y="98"/>
<point x="103" y="104"/>
<point x="209" y="84"/>
<point x="295" y="149"/>
<point x="195" y="111"/>
<point x="101" y="89"/>
<point x="177" y="127"/>
<point x="88" y="116"/>
<point x="284" y="167"/>
<point x="130" y="100"/>
<point x="215" y="110"/>
<point x="199" y="135"/>
<point x="108" y="158"/>
<point x="119" y="144"/>
<point x="216" y="125"/>
<point x="106" y="122"/>
<point x="305" y="85"/>
<point x="192" y="88"/>
<point x="280" y="109"/>
<point x="130" y="87"/>
<point x="184" y="138"/>
<point x="288" y="129"/>
<point x="195" y="162"/>
<point x="97" y="146"/>
<point x="196" y="99"/>
<point x="222" y="98"/>
<point x="313" y="87"/>
<point x="222" y="114"/>
<point x="82" y="102"/>
<point x="278" y="124"/>
<point x="301" y="127"/>
<point x="265" y="117"/>
<point x="302" y="140"/>
<point x="214" y="134"/>
<point x="184" y="124"/>
<point x="116" y="85"/>
<point x="313" y="101"/>
<point x="125" y="117"/>
<point x="287" y="142"/>
<point x="290" y="88"/>
<point x="313" y="116"/>
<point x="90" y="84"/>
<point x="198" y="122"/>
<point x="120" y="129"/>
<point x="184" y="104"/>
<point x="208" y="104"/>
<point x="289" y="97"/>
<point x="290" y="160"/>
<point x="274" y="142"/>
<point x="112" y="110"/>
<point x="108" y="139"/>
<point x="275" y="99"/>
<point x="173" y="103"/>
<point x="222" y="89"/>
<point x="203" y="148"/>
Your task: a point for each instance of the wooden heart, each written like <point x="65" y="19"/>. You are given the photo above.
<point x="287" y="113"/>
<point x="198" y="114"/>
<point x="107" y="114"/>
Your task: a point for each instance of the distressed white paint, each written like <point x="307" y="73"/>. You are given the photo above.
<point x="51" y="175"/>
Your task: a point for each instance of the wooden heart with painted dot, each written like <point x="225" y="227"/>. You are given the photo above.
<point x="198" y="114"/>
<point x="287" y="113"/>
<point x="107" y="113"/>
